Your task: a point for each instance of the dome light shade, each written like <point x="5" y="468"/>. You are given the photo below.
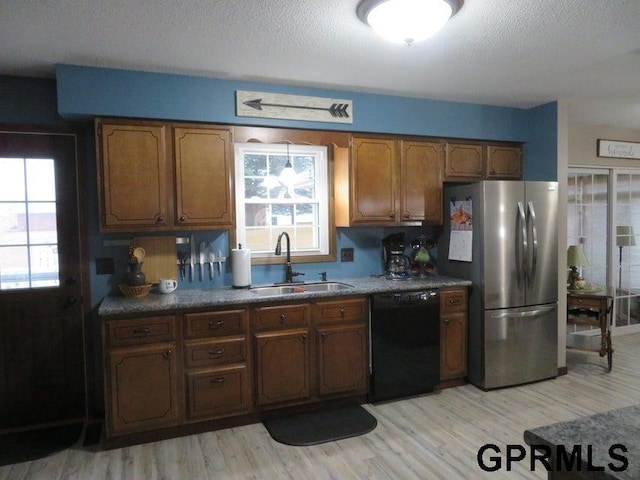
<point x="407" y="21"/>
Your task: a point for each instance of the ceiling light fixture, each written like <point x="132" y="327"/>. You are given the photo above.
<point x="407" y="21"/>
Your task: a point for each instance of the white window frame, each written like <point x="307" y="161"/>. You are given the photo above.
<point x="322" y="200"/>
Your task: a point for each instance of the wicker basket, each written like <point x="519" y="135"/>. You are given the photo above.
<point x="135" y="290"/>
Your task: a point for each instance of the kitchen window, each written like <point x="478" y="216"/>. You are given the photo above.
<point x="282" y="187"/>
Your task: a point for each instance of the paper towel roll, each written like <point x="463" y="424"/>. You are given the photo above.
<point x="241" y="267"/>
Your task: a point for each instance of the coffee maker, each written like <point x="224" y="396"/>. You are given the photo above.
<point x="396" y="263"/>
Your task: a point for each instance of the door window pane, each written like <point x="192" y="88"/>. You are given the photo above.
<point x="28" y="224"/>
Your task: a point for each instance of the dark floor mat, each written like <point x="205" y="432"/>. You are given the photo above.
<point x="321" y="426"/>
<point x="30" y="445"/>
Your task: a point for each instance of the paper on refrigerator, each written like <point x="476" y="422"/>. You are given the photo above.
<point x="461" y="239"/>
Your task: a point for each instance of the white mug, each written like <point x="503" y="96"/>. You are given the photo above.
<point x="167" y="285"/>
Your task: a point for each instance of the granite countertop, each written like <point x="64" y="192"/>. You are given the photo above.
<point x="221" y="296"/>
<point x="602" y="432"/>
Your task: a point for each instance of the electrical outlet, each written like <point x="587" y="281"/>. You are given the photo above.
<point x="346" y="254"/>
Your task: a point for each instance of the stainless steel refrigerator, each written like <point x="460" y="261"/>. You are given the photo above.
<point x="513" y="330"/>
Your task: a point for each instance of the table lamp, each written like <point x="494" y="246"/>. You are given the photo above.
<point x="575" y="259"/>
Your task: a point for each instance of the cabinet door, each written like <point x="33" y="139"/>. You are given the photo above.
<point x="504" y="162"/>
<point x="342" y="359"/>
<point x="463" y="161"/>
<point x="453" y="346"/>
<point x="143" y="388"/>
<point x="133" y="175"/>
<point x="421" y="182"/>
<point x="218" y="393"/>
<point x="373" y="181"/>
<point x="282" y="366"/>
<point x="203" y="176"/>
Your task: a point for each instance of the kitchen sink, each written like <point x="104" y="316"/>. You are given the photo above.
<point x="300" y="288"/>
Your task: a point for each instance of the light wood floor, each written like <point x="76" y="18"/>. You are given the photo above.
<point x="435" y="436"/>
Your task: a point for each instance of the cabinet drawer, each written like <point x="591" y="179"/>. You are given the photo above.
<point x="282" y="317"/>
<point x="578" y="302"/>
<point x="136" y="331"/>
<point x="219" y="392"/>
<point x="215" y="324"/>
<point x="343" y="310"/>
<point x="215" y="353"/>
<point x="453" y="301"/>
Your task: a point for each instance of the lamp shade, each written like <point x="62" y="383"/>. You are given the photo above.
<point x="407" y="21"/>
<point x="625" y="236"/>
<point x="576" y="257"/>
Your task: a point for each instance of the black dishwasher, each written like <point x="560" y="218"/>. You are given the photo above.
<point x="405" y="344"/>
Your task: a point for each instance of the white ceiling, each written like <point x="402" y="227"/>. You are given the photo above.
<point x="517" y="53"/>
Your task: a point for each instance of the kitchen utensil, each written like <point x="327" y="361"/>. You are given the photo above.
<point x="220" y="261"/>
<point x="201" y="254"/>
<point x="192" y="260"/>
<point x="212" y="258"/>
<point x="182" y="258"/>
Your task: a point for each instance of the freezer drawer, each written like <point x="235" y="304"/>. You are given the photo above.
<point x="520" y="345"/>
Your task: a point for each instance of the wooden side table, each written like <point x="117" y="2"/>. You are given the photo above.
<point x="591" y="307"/>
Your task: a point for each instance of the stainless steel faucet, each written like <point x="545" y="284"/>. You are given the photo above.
<point x="289" y="273"/>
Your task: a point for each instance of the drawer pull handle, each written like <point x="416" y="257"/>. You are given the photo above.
<point x="283" y="318"/>
<point x="446" y="320"/>
<point x="217" y="381"/>
<point x="216" y="353"/>
<point x="454" y="301"/>
<point x="342" y="312"/>
<point x="216" y="325"/>
<point x="141" y="331"/>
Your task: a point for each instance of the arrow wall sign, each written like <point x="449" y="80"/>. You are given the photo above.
<point x="293" y="107"/>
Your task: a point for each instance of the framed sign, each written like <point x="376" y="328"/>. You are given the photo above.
<point x="617" y="149"/>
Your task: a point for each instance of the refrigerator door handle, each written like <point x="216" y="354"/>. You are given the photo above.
<point x="528" y="313"/>
<point x="531" y="219"/>
<point x="523" y="248"/>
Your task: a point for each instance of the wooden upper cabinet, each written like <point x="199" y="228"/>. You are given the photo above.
<point x="464" y="161"/>
<point x="203" y="176"/>
<point x="504" y="162"/>
<point x="373" y="181"/>
<point x="133" y="176"/>
<point x="160" y="176"/>
<point x="394" y="182"/>
<point x="420" y="190"/>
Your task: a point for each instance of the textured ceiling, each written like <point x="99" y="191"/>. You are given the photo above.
<point x="518" y="53"/>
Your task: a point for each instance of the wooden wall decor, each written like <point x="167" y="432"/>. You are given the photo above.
<point x="293" y="107"/>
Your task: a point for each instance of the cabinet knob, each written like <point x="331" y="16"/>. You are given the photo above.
<point x="446" y="320"/>
<point x="390" y="214"/>
<point x="406" y="215"/>
<point x="303" y="338"/>
<point x="168" y="354"/>
<point x="282" y="318"/>
<point x="216" y="353"/>
<point x="217" y="381"/>
<point x="342" y="312"/>
<point x="182" y="218"/>
<point x="159" y="219"/>
<point x="216" y="325"/>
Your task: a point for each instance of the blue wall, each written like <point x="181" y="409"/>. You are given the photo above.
<point x="80" y="93"/>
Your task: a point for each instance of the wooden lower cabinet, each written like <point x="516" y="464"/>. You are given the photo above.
<point x="218" y="392"/>
<point x="143" y="388"/>
<point x="282" y="366"/>
<point x="453" y="334"/>
<point x="342" y="359"/>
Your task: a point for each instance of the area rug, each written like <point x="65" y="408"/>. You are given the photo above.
<point x="321" y="426"/>
<point x="30" y="445"/>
